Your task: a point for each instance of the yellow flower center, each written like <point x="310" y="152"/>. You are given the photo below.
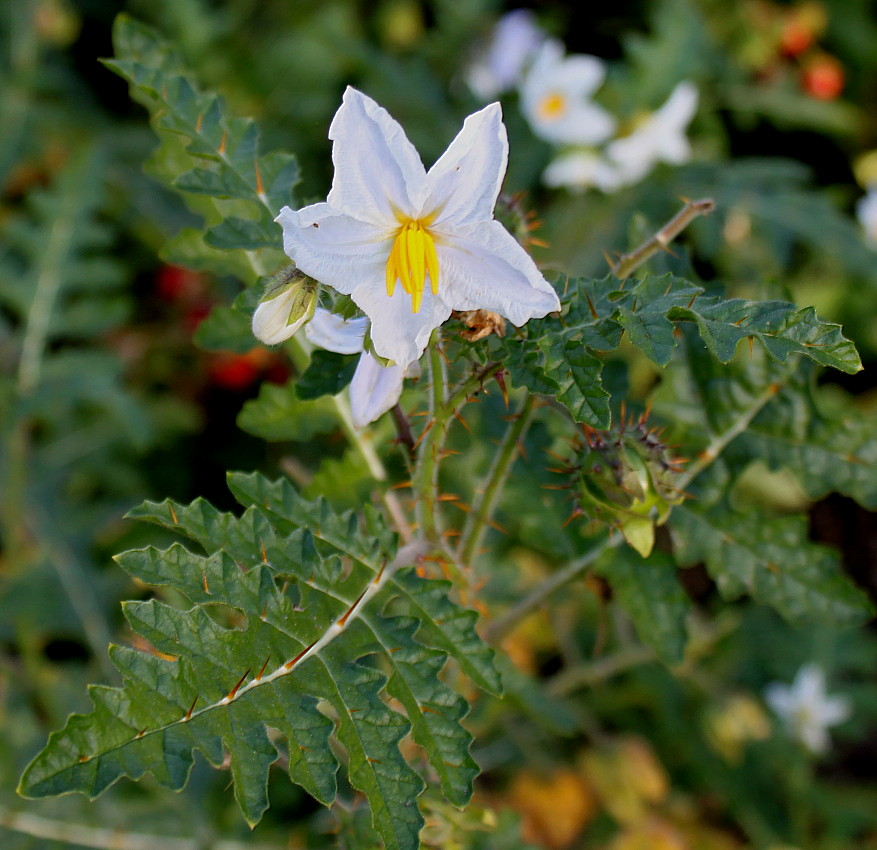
<point x="552" y="106"/>
<point x="412" y="257"/>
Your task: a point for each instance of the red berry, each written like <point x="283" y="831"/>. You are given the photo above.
<point x="823" y="78"/>
<point x="796" y="37"/>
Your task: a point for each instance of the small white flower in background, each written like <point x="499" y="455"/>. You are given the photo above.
<point x="556" y="97"/>
<point x="288" y="303"/>
<point x="806" y="709"/>
<point x="866" y="210"/>
<point x="659" y="138"/>
<point x="388" y="226"/>
<point x="579" y="170"/>
<point x="500" y="64"/>
<point x="375" y="388"/>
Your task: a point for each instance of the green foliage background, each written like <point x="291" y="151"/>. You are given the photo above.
<point x="108" y="396"/>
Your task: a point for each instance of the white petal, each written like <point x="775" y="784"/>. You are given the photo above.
<point x="514" y="40"/>
<point x="271" y="319"/>
<point x="633" y="155"/>
<point x="584" y="123"/>
<point x="814" y="737"/>
<point x="483" y="266"/>
<point x="396" y="333"/>
<point x="835" y="710"/>
<point x="374" y="389"/>
<point x="779" y="698"/>
<point x="581" y="169"/>
<point x="464" y="183"/>
<point x="680" y="107"/>
<point x="334" y="248"/>
<point x="866" y="211"/>
<point x="377" y="170"/>
<point x="809" y="685"/>
<point x="332" y="332"/>
<point x="583" y="74"/>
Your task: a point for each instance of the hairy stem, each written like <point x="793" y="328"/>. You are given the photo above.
<point x="485" y="501"/>
<point x="659" y="241"/>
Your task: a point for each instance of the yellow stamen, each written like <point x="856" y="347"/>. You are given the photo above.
<point x="412" y="258"/>
<point x="552" y="106"/>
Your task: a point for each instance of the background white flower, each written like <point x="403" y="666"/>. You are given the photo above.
<point x="387" y="227"/>
<point x="659" y="138"/>
<point x="500" y="64"/>
<point x="806" y="708"/>
<point x="556" y="97"/>
<point x="580" y="169"/>
<point x="375" y="388"/>
<point x="866" y="211"/>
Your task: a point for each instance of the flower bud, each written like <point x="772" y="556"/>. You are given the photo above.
<point x="288" y="303"/>
<point x="625" y="476"/>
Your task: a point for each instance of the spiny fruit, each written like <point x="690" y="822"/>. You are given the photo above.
<point x="627" y="477"/>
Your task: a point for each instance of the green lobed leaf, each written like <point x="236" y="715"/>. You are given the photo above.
<point x="327" y="374"/>
<point x="648" y="590"/>
<point x="286" y="601"/>
<point x="278" y="414"/>
<point x="770" y="559"/>
<point x="223" y="162"/>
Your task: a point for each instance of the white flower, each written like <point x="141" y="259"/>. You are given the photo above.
<point x="660" y="138"/>
<point x="555" y="97"/>
<point x="866" y="210"/>
<point x="806" y="709"/>
<point x="284" y="309"/>
<point x="375" y="388"/>
<point x="500" y="64"/>
<point x="581" y="169"/>
<point x="388" y="227"/>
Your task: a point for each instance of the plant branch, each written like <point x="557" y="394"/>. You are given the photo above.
<point x="659" y="241"/>
<point x="485" y="501"/>
<point x="501" y="626"/>
<point x="109" y="839"/>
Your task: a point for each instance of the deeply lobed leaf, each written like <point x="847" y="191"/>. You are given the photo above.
<point x="286" y="602"/>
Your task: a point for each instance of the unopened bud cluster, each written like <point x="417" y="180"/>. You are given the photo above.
<point x="627" y="477"/>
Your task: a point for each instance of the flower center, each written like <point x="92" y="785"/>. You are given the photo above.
<point x="552" y="106"/>
<point x="412" y="257"/>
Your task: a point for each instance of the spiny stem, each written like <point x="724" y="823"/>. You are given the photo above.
<point x="426" y="474"/>
<point x="108" y="839"/>
<point x="485" y="501"/>
<point x="720" y="441"/>
<point x="501" y="626"/>
<point x="659" y="241"/>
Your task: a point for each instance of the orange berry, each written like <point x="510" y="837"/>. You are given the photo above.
<point x="823" y="78"/>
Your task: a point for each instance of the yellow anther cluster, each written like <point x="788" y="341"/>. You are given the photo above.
<point x="413" y="257"/>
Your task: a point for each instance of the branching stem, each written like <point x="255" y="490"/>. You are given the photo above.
<point x="659" y="241"/>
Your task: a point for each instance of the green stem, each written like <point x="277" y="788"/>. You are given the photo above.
<point x="501" y="626"/>
<point x="425" y="481"/>
<point x="485" y="500"/>
<point x="659" y="241"/>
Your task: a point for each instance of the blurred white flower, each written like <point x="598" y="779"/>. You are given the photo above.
<point x="287" y="304"/>
<point x="387" y="221"/>
<point x="580" y="169"/>
<point x="375" y="388"/>
<point x="499" y="65"/>
<point x="556" y="97"/>
<point x="866" y="210"/>
<point x="659" y="138"/>
<point x="806" y="709"/>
